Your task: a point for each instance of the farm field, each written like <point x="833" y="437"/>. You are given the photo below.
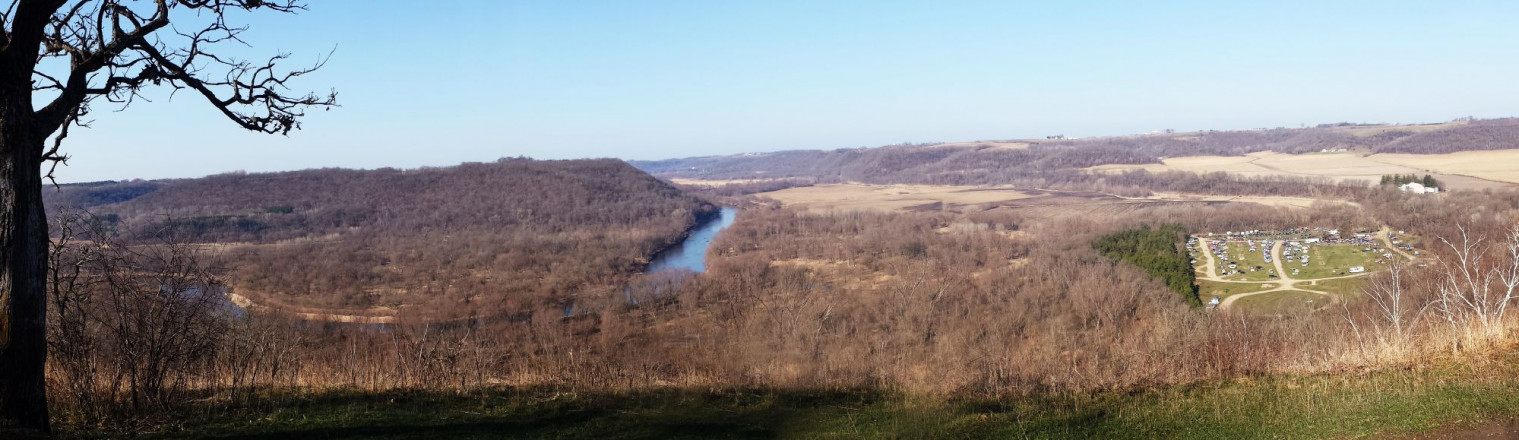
<point x="1464" y="170"/>
<point x="995" y="145"/>
<point x="886" y="198"/>
<point x="715" y="183"/>
<point x="1498" y="165"/>
<point x="858" y="197"/>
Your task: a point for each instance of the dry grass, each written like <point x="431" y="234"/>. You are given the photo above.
<point x="1463" y="170"/>
<point x="848" y="275"/>
<point x="855" y="197"/>
<point x="995" y="145"/>
<point x="888" y="198"/>
<point x="1274" y="201"/>
<point x="1368" y="131"/>
<point x="266" y="303"/>
<point x="1499" y="165"/>
<point x="716" y="182"/>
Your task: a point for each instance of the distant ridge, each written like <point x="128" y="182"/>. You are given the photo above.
<point x="1004" y="161"/>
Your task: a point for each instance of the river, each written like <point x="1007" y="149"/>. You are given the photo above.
<point x="691" y="254"/>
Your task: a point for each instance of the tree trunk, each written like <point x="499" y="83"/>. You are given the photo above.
<point x="23" y="273"/>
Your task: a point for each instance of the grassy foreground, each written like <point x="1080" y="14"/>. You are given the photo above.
<point x="1283" y="407"/>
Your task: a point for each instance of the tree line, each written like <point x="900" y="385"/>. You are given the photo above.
<point x="1404" y="179"/>
<point x="1159" y="252"/>
<point x="1063" y="160"/>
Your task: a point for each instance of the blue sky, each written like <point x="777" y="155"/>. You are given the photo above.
<point x="476" y="80"/>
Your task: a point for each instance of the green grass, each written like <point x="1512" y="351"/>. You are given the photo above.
<point x="1239" y="252"/>
<point x="1329" y="406"/>
<point x="1346" y="287"/>
<point x="1207" y="289"/>
<point x="1333" y="260"/>
<point x="1281" y="302"/>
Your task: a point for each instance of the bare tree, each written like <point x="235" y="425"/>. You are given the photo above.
<point x="1393" y="304"/>
<point x="1479" y="281"/>
<point x="134" y="325"/>
<point x="65" y="55"/>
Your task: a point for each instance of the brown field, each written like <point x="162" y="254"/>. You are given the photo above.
<point x="1365" y="131"/>
<point x="848" y="275"/>
<point x="1464" y="170"/>
<point x="715" y="183"/>
<point x="998" y="145"/>
<point x="1499" y="165"/>
<point x="1276" y="201"/>
<point x="885" y="198"/>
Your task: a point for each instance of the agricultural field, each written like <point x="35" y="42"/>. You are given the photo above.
<point x="1463" y="170"/>
<point x="887" y="198"/>
<point x="1496" y="165"/>
<point x="858" y="197"/>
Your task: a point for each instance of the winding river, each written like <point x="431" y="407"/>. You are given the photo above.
<point x="691" y="254"/>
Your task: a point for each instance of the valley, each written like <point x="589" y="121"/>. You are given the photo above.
<point x="1019" y="279"/>
<point x="294" y="219"/>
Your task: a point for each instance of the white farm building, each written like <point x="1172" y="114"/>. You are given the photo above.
<point x="1418" y="188"/>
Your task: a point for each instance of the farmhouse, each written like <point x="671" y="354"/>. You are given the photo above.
<point x="1418" y="188"/>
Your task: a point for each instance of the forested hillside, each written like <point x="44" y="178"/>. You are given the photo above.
<point x="1056" y="161"/>
<point x="472" y="237"/>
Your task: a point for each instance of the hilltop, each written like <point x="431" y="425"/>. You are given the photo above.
<point x="493" y="237"/>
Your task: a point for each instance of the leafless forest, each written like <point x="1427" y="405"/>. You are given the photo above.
<point x="477" y="238"/>
<point x="526" y="273"/>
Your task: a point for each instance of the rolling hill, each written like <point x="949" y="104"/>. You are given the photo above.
<point x="454" y="241"/>
<point x="1064" y="162"/>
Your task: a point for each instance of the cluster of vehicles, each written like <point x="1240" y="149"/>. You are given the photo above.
<point x="1297" y="250"/>
<point x="1227" y="265"/>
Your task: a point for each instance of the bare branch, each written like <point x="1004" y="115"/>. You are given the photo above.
<point x="117" y="51"/>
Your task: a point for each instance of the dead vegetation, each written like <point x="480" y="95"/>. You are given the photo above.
<point x="985" y="298"/>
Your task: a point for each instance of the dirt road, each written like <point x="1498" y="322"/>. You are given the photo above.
<point x="1284" y="280"/>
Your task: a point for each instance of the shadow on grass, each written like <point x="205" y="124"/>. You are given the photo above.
<point x="511" y="413"/>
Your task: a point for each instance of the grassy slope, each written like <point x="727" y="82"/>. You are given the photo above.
<point x="1280" y="407"/>
<point x="1333" y="261"/>
<point x="1282" y="301"/>
<point x="1206" y="289"/>
<point x="1346" y="287"/>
